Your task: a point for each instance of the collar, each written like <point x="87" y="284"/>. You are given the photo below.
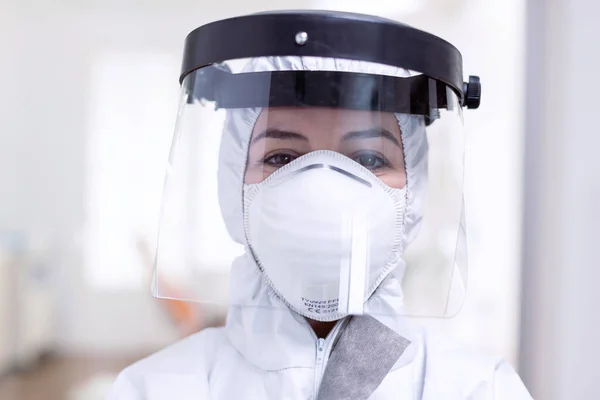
<point x="272" y="337"/>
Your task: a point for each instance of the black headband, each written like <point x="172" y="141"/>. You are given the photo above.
<point x="419" y="95"/>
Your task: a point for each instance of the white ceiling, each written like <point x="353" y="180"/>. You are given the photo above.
<point x="223" y="8"/>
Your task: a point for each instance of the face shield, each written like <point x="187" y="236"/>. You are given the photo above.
<point x="325" y="177"/>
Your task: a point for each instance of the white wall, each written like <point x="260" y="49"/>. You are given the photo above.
<point x="561" y="323"/>
<point x="8" y="179"/>
<point x="5" y="315"/>
<point x="48" y="133"/>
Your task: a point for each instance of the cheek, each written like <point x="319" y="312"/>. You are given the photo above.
<point x="254" y="168"/>
<point x="394" y="179"/>
<point x="255" y="175"/>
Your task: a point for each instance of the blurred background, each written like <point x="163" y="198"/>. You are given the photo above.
<point x="88" y="98"/>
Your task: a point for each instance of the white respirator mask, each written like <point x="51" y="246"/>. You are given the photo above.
<point x="325" y="231"/>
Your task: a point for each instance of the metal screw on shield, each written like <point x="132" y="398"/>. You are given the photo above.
<point x="301" y="38"/>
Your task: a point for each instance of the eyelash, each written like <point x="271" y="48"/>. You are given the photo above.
<point x="380" y="158"/>
<point x="265" y="160"/>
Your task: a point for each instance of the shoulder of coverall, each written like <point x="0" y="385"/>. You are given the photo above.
<point x="180" y="365"/>
<point x="479" y="374"/>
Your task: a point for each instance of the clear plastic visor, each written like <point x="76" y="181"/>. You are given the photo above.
<point x="328" y="187"/>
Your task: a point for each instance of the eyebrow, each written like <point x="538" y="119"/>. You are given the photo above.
<point x="279" y="134"/>
<point x="372" y="133"/>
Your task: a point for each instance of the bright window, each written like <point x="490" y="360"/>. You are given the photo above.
<point x="132" y="110"/>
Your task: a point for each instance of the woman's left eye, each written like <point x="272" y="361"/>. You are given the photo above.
<point x="371" y="161"/>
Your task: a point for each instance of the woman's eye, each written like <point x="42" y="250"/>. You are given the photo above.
<point x="371" y="161"/>
<point x="279" y="160"/>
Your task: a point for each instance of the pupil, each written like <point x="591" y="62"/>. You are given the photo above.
<point x="368" y="160"/>
<point x="282" y="159"/>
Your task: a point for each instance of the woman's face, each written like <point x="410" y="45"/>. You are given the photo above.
<point x="370" y="138"/>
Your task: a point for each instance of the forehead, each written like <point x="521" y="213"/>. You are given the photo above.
<point x="316" y="119"/>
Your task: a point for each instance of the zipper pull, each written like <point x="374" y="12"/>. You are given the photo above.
<point x="320" y="350"/>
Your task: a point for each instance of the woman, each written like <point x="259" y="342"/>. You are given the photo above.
<point x="324" y="182"/>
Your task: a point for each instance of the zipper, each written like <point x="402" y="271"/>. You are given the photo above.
<point x="319" y="365"/>
<point x="322" y="355"/>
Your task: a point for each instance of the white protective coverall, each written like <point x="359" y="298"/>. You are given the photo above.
<point x="267" y="351"/>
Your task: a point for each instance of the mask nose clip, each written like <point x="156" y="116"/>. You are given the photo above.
<point x="286" y="177"/>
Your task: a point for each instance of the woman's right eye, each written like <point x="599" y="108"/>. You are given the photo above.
<point x="279" y="160"/>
